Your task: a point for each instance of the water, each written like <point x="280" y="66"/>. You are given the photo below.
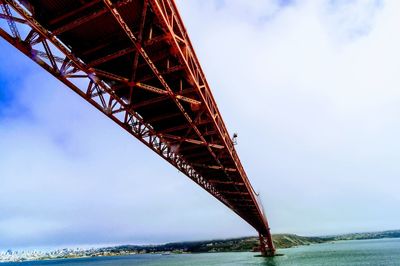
<point x="358" y="252"/>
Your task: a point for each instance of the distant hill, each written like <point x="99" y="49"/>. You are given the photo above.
<point x="221" y="245"/>
<point x="291" y="240"/>
<point x="287" y="240"/>
<point x="247" y="243"/>
<point x="368" y="235"/>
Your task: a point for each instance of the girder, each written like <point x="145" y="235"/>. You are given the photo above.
<point x="82" y="20"/>
<point x="219" y="182"/>
<point x="112" y="56"/>
<point x="151" y="85"/>
<point x="150" y="102"/>
<point x="73" y="12"/>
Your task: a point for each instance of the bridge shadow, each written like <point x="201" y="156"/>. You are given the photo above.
<point x="272" y="261"/>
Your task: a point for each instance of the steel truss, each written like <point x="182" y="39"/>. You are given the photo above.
<point x="44" y="48"/>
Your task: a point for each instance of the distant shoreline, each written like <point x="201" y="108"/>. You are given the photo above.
<point x="244" y="244"/>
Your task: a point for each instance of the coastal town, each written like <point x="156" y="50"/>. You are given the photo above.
<point x="19" y="256"/>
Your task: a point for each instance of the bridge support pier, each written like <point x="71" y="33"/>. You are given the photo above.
<point x="267" y="248"/>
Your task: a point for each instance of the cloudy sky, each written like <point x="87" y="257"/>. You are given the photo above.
<point x="311" y="87"/>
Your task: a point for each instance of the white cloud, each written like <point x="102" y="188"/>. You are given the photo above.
<point x="351" y="19"/>
<point x="315" y="105"/>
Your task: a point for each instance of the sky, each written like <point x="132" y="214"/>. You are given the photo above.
<point x="311" y="88"/>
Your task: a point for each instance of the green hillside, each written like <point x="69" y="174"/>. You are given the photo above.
<point x="246" y="243"/>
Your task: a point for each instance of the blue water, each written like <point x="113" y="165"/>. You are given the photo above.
<point x="358" y="252"/>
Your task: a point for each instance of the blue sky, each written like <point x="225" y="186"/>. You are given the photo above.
<point x="311" y="87"/>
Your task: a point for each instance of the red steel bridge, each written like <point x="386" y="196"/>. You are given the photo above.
<point x="134" y="62"/>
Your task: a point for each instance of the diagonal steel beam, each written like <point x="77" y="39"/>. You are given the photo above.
<point x="173" y="129"/>
<point x="236" y="193"/>
<point x="19" y="20"/>
<point x="112" y="56"/>
<point x="150" y="102"/>
<point x="74" y="12"/>
<point x="161" y="91"/>
<point x="10" y="19"/>
<point x="215" y="167"/>
<point x="164" y="72"/>
<point x="219" y="182"/>
<point x="80" y="21"/>
<point x="140" y="37"/>
<point x="113" y="10"/>
<point x="162" y="117"/>
<point x="194" y="141"/>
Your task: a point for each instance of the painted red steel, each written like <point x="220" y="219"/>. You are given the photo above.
<point x="134" y="62"/>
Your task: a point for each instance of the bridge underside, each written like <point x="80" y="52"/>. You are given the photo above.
<point x="133" y="61"/>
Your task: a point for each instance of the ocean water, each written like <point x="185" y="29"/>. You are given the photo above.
<point x="357" y="252"/>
